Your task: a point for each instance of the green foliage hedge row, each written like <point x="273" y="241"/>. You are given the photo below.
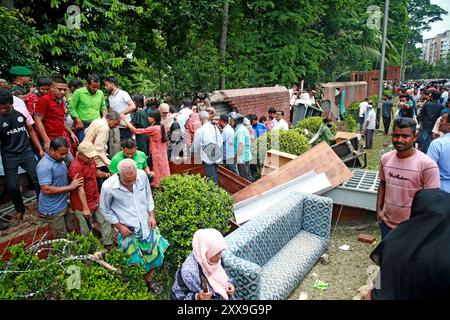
<point x="185" y="204"/>
<point x="48" y="278"/>
<point x="312" y="125"/>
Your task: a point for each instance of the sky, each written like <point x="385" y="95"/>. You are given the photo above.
<point x="440" y="26"/>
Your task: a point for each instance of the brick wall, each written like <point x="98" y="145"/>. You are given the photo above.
<point x="257" y="100"/>
<point x="393" y="73"/>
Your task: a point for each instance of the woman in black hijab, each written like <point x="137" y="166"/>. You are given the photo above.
<point x="414" y="258"/>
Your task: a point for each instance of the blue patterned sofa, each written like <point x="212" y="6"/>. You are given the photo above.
<point x="269" y="255"/>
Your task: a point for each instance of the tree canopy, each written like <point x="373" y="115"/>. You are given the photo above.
<point x="157" y="46"/>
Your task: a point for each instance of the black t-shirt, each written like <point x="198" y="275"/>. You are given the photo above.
<point x="431" y="111"/>
<point x="13" y="134"/>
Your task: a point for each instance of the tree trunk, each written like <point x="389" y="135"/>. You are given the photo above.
<point x="223" y="42"/>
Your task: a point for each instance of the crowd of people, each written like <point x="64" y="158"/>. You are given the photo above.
<point x="100" y="155"/>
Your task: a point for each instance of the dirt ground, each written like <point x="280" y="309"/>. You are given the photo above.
<point x="346" y="271"/>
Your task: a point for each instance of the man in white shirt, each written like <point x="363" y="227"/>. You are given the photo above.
<point x="228" y="143"/>
<point x="209" y="143"/>
<point x="121" y="102"/>
<point x="362" y="113"/>
<point x="369" y="126"/>
<point x="281" y="123"/>
<point x="126" y="202"/>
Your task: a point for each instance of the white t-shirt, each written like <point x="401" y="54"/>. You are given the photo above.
<point x="363" y="108"/>
<point x="119" y="103"/>
<point x="19" y="105"/>
<point x="370" y="117"/>
<point x="281" y="125"/>
<point x="204" y="136"/>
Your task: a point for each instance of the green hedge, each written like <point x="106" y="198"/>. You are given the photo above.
<point x="312" y="125"/>
<point x="48" y="278"/>
<point x="185" y="204"/>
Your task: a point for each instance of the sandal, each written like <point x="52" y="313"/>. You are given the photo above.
<point x="154" y="287"/>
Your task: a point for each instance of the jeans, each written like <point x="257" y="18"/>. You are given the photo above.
<point x="424" y="140"/>
<point x="11" y="163"/>
<point x="361" y="123"/>
<point x="369" y="138"/>
<point x="384" y="230"/>
<point x="105" y="227"/>
<point x="386" y="124"/>
<point x="80" y="132"/>
<point x="244" y="171"/>
<point x="230" y="165"/>
<point x="211" y="171"/>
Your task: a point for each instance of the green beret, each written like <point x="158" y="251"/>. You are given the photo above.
<point x="20" y="71"/>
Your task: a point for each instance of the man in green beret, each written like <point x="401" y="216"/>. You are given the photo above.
<point x="22" y="78"/>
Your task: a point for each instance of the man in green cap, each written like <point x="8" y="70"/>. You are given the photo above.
<point x="22" y="78"/>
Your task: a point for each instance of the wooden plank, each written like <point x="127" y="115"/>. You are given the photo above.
<point x="319" y="159"/>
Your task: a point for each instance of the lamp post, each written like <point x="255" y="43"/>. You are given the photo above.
<point x="383" y="59"/>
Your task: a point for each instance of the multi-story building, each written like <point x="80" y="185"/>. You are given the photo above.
<point x="437" y="48"/>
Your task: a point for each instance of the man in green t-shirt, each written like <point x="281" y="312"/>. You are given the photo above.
<point x="324" y="134"/>
<point x="86" y="105"/>
<point x="129" y="151"/>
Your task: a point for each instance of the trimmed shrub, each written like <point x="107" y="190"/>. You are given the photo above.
<point x="290" y="141"/>
<point x="350" y="124"/>
<point x="309" y="126"/>
<point x="184" y="204"/>
<point x="50" y="278"/>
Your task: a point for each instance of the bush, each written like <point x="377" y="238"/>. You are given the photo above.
<point x="312" y="125"/>
<point x="350" y="124"/>
<point x="185" y="204"/>
<point x="353" y="110"/>
<point x="290" y="141"/>
<point x="48" y="278"/>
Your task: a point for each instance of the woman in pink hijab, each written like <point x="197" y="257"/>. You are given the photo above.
<point x="202" y="277"/>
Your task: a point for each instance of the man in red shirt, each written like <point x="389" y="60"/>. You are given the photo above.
<point x="85" y="199"/>
<point x="50" y="116"/>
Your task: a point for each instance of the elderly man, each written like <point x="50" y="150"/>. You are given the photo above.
<point x="209" y="143"/>
<point x="86" y="198"/>
<point x="98" y="134"/>
<point x="126" y="202"/>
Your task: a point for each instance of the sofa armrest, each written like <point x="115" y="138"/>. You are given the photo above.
<point x="317" y="215"/>
<point x="246" y="276"/>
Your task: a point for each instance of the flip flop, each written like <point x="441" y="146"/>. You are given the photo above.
<point x="154" y="287"/>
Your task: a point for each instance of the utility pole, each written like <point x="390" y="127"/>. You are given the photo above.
<point x="383" y="59"/>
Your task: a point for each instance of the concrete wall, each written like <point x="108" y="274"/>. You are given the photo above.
<point x="354" y="91"/>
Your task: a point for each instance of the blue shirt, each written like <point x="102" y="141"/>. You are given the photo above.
<point x="52" y="173"/>
<point x="241" y="135"/>
<point x="228" y="142"/>
<point x="260" y="129"/>
<point x="439" y="151"/>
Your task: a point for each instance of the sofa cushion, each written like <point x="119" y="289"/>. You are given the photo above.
<point x="263" y="236"/>
<point x="282" y="274"/>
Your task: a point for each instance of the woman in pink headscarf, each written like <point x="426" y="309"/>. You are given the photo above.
<point x="202" y="277"/>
